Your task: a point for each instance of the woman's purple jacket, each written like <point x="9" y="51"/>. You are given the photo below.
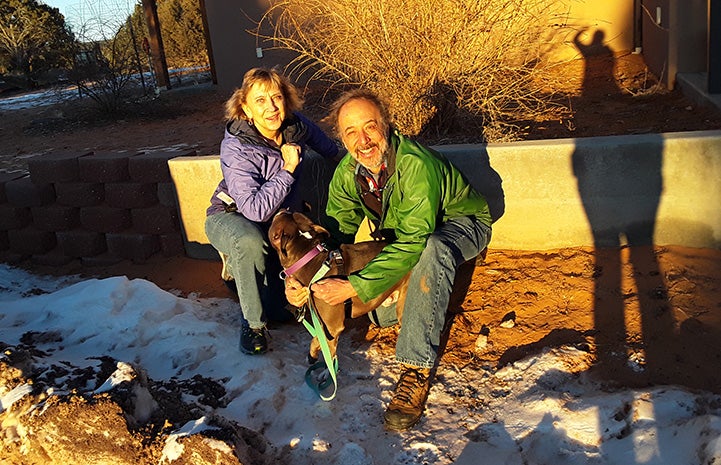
<point x="252" y="167"/>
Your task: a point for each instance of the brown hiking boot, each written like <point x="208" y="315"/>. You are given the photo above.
<point x="409" y="399"/>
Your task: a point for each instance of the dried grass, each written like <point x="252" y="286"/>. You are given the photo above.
<point x="432" y="60"/>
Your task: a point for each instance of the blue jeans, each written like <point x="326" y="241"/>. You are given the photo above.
<point x="429" y="289"/>
<point x="260" y="290"/>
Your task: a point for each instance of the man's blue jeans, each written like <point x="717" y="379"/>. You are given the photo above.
<point x="429" y="289"/>
<point x="260" y="290"/>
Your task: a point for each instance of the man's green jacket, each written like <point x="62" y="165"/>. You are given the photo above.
<point x="423" y="190"/>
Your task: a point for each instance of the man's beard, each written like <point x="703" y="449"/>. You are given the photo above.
<point x="384" y="148"/>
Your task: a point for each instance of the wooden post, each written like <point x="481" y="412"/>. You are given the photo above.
<point x="208" y="43"/>
<point x="157" y="51"/>
<point x="714" y="47"/>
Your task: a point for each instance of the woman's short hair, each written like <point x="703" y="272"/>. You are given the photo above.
<point x="358" y="94"/>
<point x="234" y="105"/>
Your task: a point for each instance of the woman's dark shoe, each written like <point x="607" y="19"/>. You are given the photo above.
<point x="253" y="341"/>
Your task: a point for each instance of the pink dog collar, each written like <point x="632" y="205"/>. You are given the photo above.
<point x="312" y="253"/>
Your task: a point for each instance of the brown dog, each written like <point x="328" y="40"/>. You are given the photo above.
<point x="294" y="237"/>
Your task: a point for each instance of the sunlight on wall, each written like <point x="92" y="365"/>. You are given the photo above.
<point x="613" y="18"/>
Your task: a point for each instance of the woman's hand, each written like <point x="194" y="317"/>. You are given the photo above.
<point x="291" y="156"/>
<point x="333" y="290"/>
<point x="296" y="294"/>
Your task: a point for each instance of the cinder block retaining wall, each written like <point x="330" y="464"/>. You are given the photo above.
<point x="96" y="207"/>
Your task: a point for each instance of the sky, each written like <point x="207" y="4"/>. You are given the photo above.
<point x="93" y="18"/>
<point x="541" y="410"/>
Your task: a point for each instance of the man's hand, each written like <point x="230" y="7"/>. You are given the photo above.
<point x="296" y="294"/>
<point x="333" y="290"/>
<point x="291" y="156"/>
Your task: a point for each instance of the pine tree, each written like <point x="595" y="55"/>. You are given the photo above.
<point x="33" y="39"/>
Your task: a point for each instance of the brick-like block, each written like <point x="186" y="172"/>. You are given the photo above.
<point x="105" y="167"/>
<point x="31" y="241"/>
<point x="155" y="220"/>
<point x="100" y="261"/>
<point x="13" y="217"/>
<point x="55" y="217"/>
<point x="55" y="167"/>
<point x="166" y="194"/>
<point x="12" y="258"/>
<point x="103" y="218"/>
<point x="81" y="243"/>
<point x="79" y="194"/>
<point x="6" y="177"/>
<point x="23" y="192"/>
<point x="152" y="167"/>
<point x="172" y="245"/>
<point x="53" y="258"/>
<point x="131" y="194"/>
<point x="132" y="246"/>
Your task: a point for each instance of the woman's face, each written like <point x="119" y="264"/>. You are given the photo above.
<point x="265" y="107"/>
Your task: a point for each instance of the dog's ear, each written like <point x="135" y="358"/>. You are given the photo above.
<point x="307" y="227"/>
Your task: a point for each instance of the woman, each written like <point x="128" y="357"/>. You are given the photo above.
<point x="260" y="156"/>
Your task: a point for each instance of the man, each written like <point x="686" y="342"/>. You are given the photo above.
<point x="433" y="219"/>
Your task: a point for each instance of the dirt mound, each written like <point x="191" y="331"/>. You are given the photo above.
<point x="111" y="413"/>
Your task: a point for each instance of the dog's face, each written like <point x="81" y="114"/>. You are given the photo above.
<point x="292" y="235"/>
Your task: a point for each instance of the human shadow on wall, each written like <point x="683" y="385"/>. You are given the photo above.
<point x="620" y="189"/>
<point x="598" y="59"/>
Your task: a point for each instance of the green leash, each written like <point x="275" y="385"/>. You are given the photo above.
<point x="317" y="330"/>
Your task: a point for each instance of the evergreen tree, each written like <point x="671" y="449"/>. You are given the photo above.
<point x="181" y="27"/>
<point x="33" y="39"/>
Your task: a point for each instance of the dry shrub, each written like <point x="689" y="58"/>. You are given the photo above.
<point x="432" y="60"/>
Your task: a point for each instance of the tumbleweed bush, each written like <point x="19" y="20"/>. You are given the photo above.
<point x="432" y="60"/>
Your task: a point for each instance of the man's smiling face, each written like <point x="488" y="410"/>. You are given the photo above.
<point x="364" y="133"/>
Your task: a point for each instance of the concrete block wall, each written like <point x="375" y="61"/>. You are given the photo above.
<point x="102" y="207"/>
<point x="94" y="207"/>
<point x="596" y="191"/>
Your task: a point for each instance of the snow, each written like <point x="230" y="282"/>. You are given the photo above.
<point x="39" y="98"/>
<point x="62" y="93"/>
<point x="541" y="410"/>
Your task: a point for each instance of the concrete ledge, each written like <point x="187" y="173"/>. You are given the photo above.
<point x="549" y="194"/>
<point x="580" y="192"/>
<point x="195" y="179"/>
